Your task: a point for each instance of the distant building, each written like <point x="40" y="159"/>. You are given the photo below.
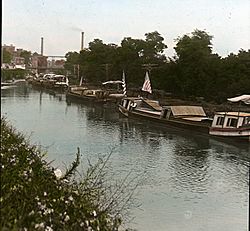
<point x="9" y="48"/>
<point x="38" y="61"/>
<point x="18" y="60"/>
<point x="57" y="64"/>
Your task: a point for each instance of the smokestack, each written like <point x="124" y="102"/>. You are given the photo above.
<point x="42" y="46"/>
<point x="82" y="41"/>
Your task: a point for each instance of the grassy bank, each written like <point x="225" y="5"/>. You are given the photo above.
<point x="34" y="196"/>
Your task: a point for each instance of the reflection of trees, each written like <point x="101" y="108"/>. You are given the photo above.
<point x="21" y="91"/>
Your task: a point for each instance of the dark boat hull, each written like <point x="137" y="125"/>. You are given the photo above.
<point x="178" y="123"/>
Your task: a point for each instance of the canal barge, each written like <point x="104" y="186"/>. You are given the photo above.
<point x="87" y="95"/>
<point x="188" y="117"/>
<point x="97" y="95"/>
<point x="50" y="81"/>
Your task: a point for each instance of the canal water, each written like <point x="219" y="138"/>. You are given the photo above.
<point x="186" y="181"/>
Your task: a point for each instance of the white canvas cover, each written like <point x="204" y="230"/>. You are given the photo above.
<point x="243" y="98"/>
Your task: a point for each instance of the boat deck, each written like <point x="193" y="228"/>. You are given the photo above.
<point x="158" y="113"/>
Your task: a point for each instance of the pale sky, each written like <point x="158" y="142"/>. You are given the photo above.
<point x="60" y="22"/>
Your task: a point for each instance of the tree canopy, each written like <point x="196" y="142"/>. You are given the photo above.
<point x="7" y="56"/>
<point x="194" y="71"/>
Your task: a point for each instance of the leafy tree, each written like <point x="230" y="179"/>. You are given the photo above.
<point x="235" y="71"/>
<point x="194" y="55"/>
<point x="7" y="56"/>
<point x="193" y="71"/>
<point x="153" y="47"/>
<point x="72" y="59"/>
<point x="26" y="55"/>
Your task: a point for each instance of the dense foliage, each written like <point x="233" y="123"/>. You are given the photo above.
<point x="193" y="71"/>
<point x="34" y="196"/>
<point x="6" y="56"/>
<point x="10" y="74"/>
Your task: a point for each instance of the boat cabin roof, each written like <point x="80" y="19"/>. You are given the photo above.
<point x="234" y="113"/>
<point x="154" y="104"/>
<point x="187" y="111"/>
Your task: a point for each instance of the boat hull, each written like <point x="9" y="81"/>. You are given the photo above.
<point x="239" y="133"/>
<point x="85" y="98"/>
<point x="178" y="123"/>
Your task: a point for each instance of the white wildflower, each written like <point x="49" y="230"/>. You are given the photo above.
<point x="48" y="211"/>
<point x="48" y="228"/>
<point x="67" y="218"/>
<point x="94" y="213"/>
<point x="76" y="192"/>
<point x="58" y="173"/>
<point x="13" y="159"/>
<point x="41" y="225"/>
<point x="65" y="181"/>
<point x="31" y="213"/>
<point x="45" y="194"/>
<point x="70" y="198"/>
<point x="25" y="173"/>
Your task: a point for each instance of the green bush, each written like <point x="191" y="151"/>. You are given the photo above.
<point x="35" y="197"/>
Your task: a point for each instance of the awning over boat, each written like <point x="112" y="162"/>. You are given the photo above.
<point x="187" y="111"/>
<point x="243" y="98"/>
<point x="234" y="113"/>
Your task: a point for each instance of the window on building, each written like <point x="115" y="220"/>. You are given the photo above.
<point x="232" y="122"/>
<point x="220" y="120"/>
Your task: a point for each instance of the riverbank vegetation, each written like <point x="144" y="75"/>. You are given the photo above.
<point x="194" y="70"/>
<point x="11" y="74"/>
<point x="35" y="196"/>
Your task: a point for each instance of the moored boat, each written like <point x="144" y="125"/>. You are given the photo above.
<point x="191" y="117"/>
<point x="51" y="81"/>
<point x="188" y="117"/>
<point x="234" y="124"/>
<point x="98" y="95"/>
<point x="86" y="94"/>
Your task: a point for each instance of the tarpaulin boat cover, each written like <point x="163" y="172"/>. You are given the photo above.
<point x="243" y="98"/>
<point x="187" y="111"/>
<point x="154" y="104"/>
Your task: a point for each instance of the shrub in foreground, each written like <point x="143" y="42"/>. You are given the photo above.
<point x="34" y="196"/>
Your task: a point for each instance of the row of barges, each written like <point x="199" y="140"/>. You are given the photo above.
<point x="227" y="124"/>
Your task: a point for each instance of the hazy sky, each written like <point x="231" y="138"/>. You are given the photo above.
<point x="60" y="22"/>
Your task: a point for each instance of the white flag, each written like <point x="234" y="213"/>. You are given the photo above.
<point x="124" y="84"/>
<point x="147" y="85"/>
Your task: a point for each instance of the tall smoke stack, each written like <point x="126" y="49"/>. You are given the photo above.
<point x="82" y="41"/>
<point x="42" y="46"/>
